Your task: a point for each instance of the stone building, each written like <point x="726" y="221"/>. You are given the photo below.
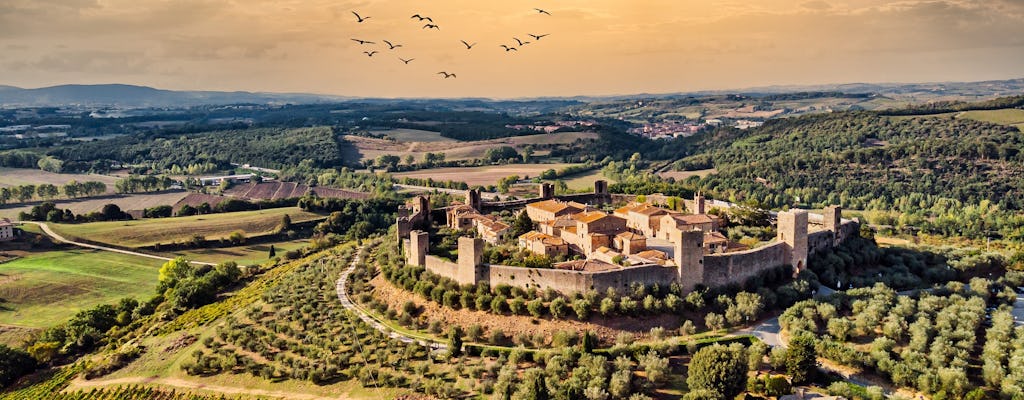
<point x="6" y="230"/>
<point x="549" y="210"/>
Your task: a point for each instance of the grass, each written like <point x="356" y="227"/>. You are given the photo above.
<point x="1009" y="116"/>
<point x="127" y="202"/>
<point x="147" y="232"/>
<point x="414" y="135"/>
<point x="46" y="288"/>
<point x="243" y="255"/>
<point x="586" y="180"/>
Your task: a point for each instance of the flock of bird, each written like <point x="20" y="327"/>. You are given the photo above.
<point x="431" y="25"/>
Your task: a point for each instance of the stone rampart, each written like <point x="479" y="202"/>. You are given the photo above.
<point x="736" y="267"/>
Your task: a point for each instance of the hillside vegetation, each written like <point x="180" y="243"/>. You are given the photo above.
<point x="264" y="147"/>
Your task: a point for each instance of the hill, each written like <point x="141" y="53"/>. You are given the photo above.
<point x="141" y="96"/>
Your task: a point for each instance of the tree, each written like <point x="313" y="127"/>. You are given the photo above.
<point x="655" y="367"/>
<point x="589" y="342"/>
<point x="801" y="359"/>
<point x="718" y="369"/>
<point x="286" y="223"/>
<point x="702" y="394"/>
<point x="272" y="252"/>
<point x="173" y="271"/>
<point x="14" y="363"/>
<point x="47" y="191"/>
<point x="533" y="386"/>
<point x="455" y="341"/>
<point x="522" y="224"/>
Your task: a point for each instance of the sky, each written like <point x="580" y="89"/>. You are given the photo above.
<point x="594" y="47"/>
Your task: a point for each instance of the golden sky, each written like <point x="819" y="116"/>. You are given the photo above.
<point x="595" y="46"/>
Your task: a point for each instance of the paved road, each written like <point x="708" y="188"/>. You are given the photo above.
<point x="370" y="320"/>
<point x="59" y="238"/>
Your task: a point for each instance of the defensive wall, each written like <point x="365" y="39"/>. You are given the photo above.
<point x="795" y="242"/>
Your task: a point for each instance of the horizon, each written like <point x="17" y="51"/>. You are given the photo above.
<point x="781" y="88"/>
<point x="660" y="46"/>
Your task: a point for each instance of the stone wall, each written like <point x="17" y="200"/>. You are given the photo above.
<point x="736" y="267"/>
<point x="566" y="282"/>
<point x="442" y="267"/>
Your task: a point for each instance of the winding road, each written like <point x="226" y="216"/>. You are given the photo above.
<point x="371" y="320"/>
<point x="46" y="229"/>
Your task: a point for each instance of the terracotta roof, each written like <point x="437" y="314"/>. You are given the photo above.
<point x="552" y="206"/>
<point x="588" y="217"/>
<point x="693" y="219"/>
<point x="587" y="265"/>
<point x="493" y="226"/>
<point x="649" y="210"/>
<point x="630" y="236"/>
<point x="715" y="238"/>
<point x="652" y="255"/>
<point x="532" y="236"/>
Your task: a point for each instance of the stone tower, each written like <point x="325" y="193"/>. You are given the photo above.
<point x="698" y="203"/>
<point x="418" y="244"/>
<point x="547" y="191"/>
<point x="689" y="258"/>
<point x="471" y="251"/>
<point x="833" y="222"/>
<point x="473" y="199"/>
<point x="793" y="232"/>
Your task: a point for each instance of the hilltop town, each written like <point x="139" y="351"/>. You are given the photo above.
<point x="637" y="242"/>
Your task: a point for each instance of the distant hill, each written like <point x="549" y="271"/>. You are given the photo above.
<point x="142" y="96"/>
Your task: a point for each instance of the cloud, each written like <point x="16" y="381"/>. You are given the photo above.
<point x="109" y="63"/>
<point x="817" y="5"/>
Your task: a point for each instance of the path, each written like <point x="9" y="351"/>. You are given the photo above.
<point x="371" y="320"/>
<point x="59" y="238"/>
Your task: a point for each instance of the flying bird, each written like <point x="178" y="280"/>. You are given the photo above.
<point x="447" y="75"/>
<point x="406" y="61"/>
<point x="538" y="37"/>
<point x="521" y="43"/>
<point x="360" y="19"/>
<point x="392" y="46"/>
<point x="362" y="41"/>
<point x="468" y="46"/>
<point x="431" y="26"/>
<point x="421" y="18"/>
<point x="539" y="11"/>
<point x="370" y="53"/>
<point x="509" y="48"/>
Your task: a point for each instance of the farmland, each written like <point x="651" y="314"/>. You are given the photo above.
<point x="46" y="288"/>
<point x="148" y="232"/>
<point x="484" y="176"/>
<point x="24" y="176"/>
<point x="1010" y="116"/>
<point x="126" y="202"/>
<point x="369" y="148"/>
<point x="413" y="135"/>
<point x="243" y="255"/>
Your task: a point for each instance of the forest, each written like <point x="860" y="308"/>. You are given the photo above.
<point x="267" y="148"/>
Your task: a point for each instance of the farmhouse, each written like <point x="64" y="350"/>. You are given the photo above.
<point x="6" y="230"/>
<point x="217" y="180"/>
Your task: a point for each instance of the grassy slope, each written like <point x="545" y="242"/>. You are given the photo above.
<point x="1012" y="116"/>
<point x="147" y="232"/>
<point x="243" y="255"/>
<point x="47" y="288"/>
<point x="414" y="135"/>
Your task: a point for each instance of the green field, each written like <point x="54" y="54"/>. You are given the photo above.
<point x="585" y="181"/>
<point x="43" y="289"/>
<point x="147" y="232"/>
<point x="1010" y="116"/>
<point x="414" y="135"/>
<point x="243" y="255"/>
